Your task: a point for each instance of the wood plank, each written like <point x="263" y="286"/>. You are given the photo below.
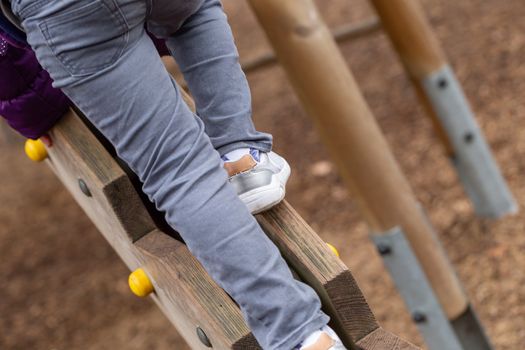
<point x="383" y="340"/>
<point x="77" y="155"/>
<point x="412" y="36"/>
<point x="185" y="292"/>
<point x="189" y="297"/>
<point x="318" y="266"/>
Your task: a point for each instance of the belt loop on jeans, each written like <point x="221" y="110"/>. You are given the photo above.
<point x="149" y="8"/>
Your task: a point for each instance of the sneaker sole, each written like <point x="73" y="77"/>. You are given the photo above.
<point x="265" y="197"/>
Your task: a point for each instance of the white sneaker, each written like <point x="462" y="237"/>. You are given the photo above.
<point x="259" y="178"/>
<point x="323" y="339"/>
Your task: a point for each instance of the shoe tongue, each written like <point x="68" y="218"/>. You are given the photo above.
<point x="255" y="154"/>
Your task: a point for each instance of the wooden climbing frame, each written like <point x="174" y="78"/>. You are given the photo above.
<point x="200" y="310"/>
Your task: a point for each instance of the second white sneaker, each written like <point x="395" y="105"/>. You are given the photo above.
<point x="323" y="339"/>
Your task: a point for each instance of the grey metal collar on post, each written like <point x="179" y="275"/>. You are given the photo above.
<point x="416" y="291"/>
<point x="473" y="160"/>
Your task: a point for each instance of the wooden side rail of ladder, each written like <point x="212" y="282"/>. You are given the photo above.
<point x="200" y="310"/>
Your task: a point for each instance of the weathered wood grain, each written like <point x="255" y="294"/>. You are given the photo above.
<point x="383" y="340"/>
<point x="185" y="292"/>
<point x="318" y="266"/>
<point x="77" y="155"/>
<point x="189" y="297"/>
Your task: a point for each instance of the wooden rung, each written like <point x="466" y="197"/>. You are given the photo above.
<point x="383" y="340"/>
<point x="189" y="297"/>
<point x="318" y="266"/>
<point x="77" y="156"/>
<point x="184" y="291"/>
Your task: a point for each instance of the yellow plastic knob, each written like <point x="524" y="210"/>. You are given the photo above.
<point x="35" y="150"/>
<point x="139" y="283"/>
<point x="333" y="249"/>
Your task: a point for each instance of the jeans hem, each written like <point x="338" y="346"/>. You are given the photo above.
<point x="261" y="146"/>
<point x="305" y="330"/>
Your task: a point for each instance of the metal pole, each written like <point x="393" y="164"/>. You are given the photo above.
<point x="417" y="293"/>
<point x="405" y="23"/>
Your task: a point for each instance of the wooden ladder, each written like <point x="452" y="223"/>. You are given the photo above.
<point x="200" y="310"/>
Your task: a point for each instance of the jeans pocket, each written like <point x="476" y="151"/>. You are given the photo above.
<point x="87" y="39"/>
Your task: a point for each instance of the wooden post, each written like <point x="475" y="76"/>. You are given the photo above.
<point x="327" y="89"/>
<point x="341" y="34"/>
<point x="417" y="47"/>
<point x="441" y="94"/>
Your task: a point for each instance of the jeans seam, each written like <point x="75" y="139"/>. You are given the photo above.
<point x="27" y="11"/>
<point x="149" y="8"/>
<point x="118" y="19"/>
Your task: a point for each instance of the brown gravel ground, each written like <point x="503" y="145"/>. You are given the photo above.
<point x="64" y="288"/>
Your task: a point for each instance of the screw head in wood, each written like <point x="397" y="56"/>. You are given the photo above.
<point x="203" y="337"/>
<point x="84" y="188"/>
<point x="35" y="150"/>
<point x="139" y="283"/>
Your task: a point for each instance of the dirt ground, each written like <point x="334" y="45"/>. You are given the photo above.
<point x="62" y="287"/>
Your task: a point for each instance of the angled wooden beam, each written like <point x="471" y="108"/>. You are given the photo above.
<point x="96" y="181"/>
<point x="341" y="34"/>
<point x="183" y="290"/>
<point x="318" y="266"/>
<point x="189" y="297"/>
<point x="383" y="340"/>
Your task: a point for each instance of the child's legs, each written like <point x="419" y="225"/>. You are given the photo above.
<point x="206" y="53"/>
<point x="103" y="60"/>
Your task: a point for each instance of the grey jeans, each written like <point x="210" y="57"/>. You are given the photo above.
<point x="98" y="53"/>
